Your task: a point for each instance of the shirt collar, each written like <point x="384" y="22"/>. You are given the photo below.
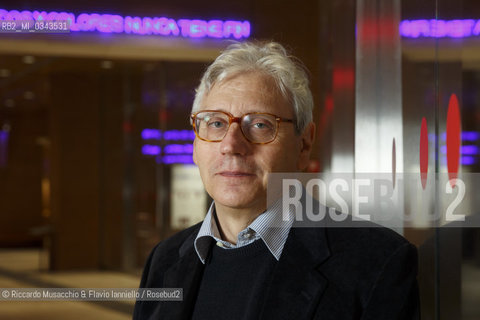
<point x="268" y="226"/>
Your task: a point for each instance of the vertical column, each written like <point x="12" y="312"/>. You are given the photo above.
<point x="128" y="192"/>
<point x="378" y="100"/>
<point x="74" y="124"/>
<point x="343" y="85"/>
<point x="378" y="97"/>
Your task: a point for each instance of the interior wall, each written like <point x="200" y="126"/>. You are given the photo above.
<point x="96" y="217"/>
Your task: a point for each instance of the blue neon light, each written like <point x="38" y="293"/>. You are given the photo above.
<point x="148" y="134"/>
<point x="466" y="136"/>
<point x="467" y="149"/>
<point x="464" y="160"/>
<point x="178" y="148"/>
<point x="470" y="136"/>
<point x="467" y="160"/>
<point x="172" y="152"/>
<point x="171" y="159"/>
<point x="151" y="150"/>
<point x="468" y="153"/>
<point x="161" y="26"/>
<point x="155" y="134"/>
<point x="440" y="28"/>
<point x="179" y="135"/>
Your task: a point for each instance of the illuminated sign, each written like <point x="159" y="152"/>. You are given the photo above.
<point x="467" y="149"/>
<point x="172" y="159"/>
<point x="469" y="153"/>
<point x="151" y="150"/>
<point x="440" y="28"/>
<point x="178" y="148"/>
<point x="466" y="136"/>
<point x="161" y="26"/>
<point x="151" y="134"/>
<point x="155" y="134"/>
<point x="469" y="136"/>
<point x="179" y="135"/>
<point x="172" y="152"/>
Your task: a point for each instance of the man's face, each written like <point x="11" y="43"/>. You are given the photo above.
<point x="235" y="171"/>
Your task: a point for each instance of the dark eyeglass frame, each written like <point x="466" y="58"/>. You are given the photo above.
<point x="238" y="120"/>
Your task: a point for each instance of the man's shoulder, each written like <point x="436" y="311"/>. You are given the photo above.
<point x="165" y="254"/>
<point x="366" y="251"/>
<point x="172" y="247"/>
<point x="365" y="237"/>
<point x="360" y="241"/>
<point x="358" y="256"/>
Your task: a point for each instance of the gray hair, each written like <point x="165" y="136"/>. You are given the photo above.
<point x="269" y="58"/>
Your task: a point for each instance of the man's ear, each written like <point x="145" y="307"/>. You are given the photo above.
<point x="306" y="144"/>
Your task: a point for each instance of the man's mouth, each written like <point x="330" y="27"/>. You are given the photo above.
<point x="235" y="174"/>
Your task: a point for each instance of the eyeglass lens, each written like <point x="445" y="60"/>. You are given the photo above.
<point x="213" y="126"/>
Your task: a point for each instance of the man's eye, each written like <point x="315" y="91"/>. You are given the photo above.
<point x="216" y="124"/>
<point x="261" y="125"/>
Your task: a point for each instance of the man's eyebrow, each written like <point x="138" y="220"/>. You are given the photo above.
<point x="213" y="109"/>
<point x="254" y="109"/>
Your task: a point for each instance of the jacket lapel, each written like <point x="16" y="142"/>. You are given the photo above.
<point x="297" y="285"/>
<point x="187" y="274"/>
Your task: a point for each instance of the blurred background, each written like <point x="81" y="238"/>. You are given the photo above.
<point x="95" y="141"/>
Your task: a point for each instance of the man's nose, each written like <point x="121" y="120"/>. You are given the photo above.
<point x="234" y="141"/>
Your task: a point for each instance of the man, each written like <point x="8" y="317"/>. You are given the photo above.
<point x="252" y="115"/>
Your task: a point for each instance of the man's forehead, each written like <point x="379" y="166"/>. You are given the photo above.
<point x="247" y="92"/>
<point x="253" y="87"/>
<point x="261" y="78"/>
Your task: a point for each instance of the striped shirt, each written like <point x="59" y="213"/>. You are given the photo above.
<point x="269" y="226"/>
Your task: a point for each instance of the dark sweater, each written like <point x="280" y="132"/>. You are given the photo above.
<point x="234" y="282"/>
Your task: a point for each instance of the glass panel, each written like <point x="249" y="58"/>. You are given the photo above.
<point x="93" y="145"/>
<point x="439" y="58"/>
<point x="458" y="59"/>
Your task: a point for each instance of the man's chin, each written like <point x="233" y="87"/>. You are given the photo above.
<point x="238" y="204"/>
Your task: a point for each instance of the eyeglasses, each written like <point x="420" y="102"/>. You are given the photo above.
<point x="259" y="128"/>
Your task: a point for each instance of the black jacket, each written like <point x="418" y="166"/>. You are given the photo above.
<point x="323" y="273"/>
